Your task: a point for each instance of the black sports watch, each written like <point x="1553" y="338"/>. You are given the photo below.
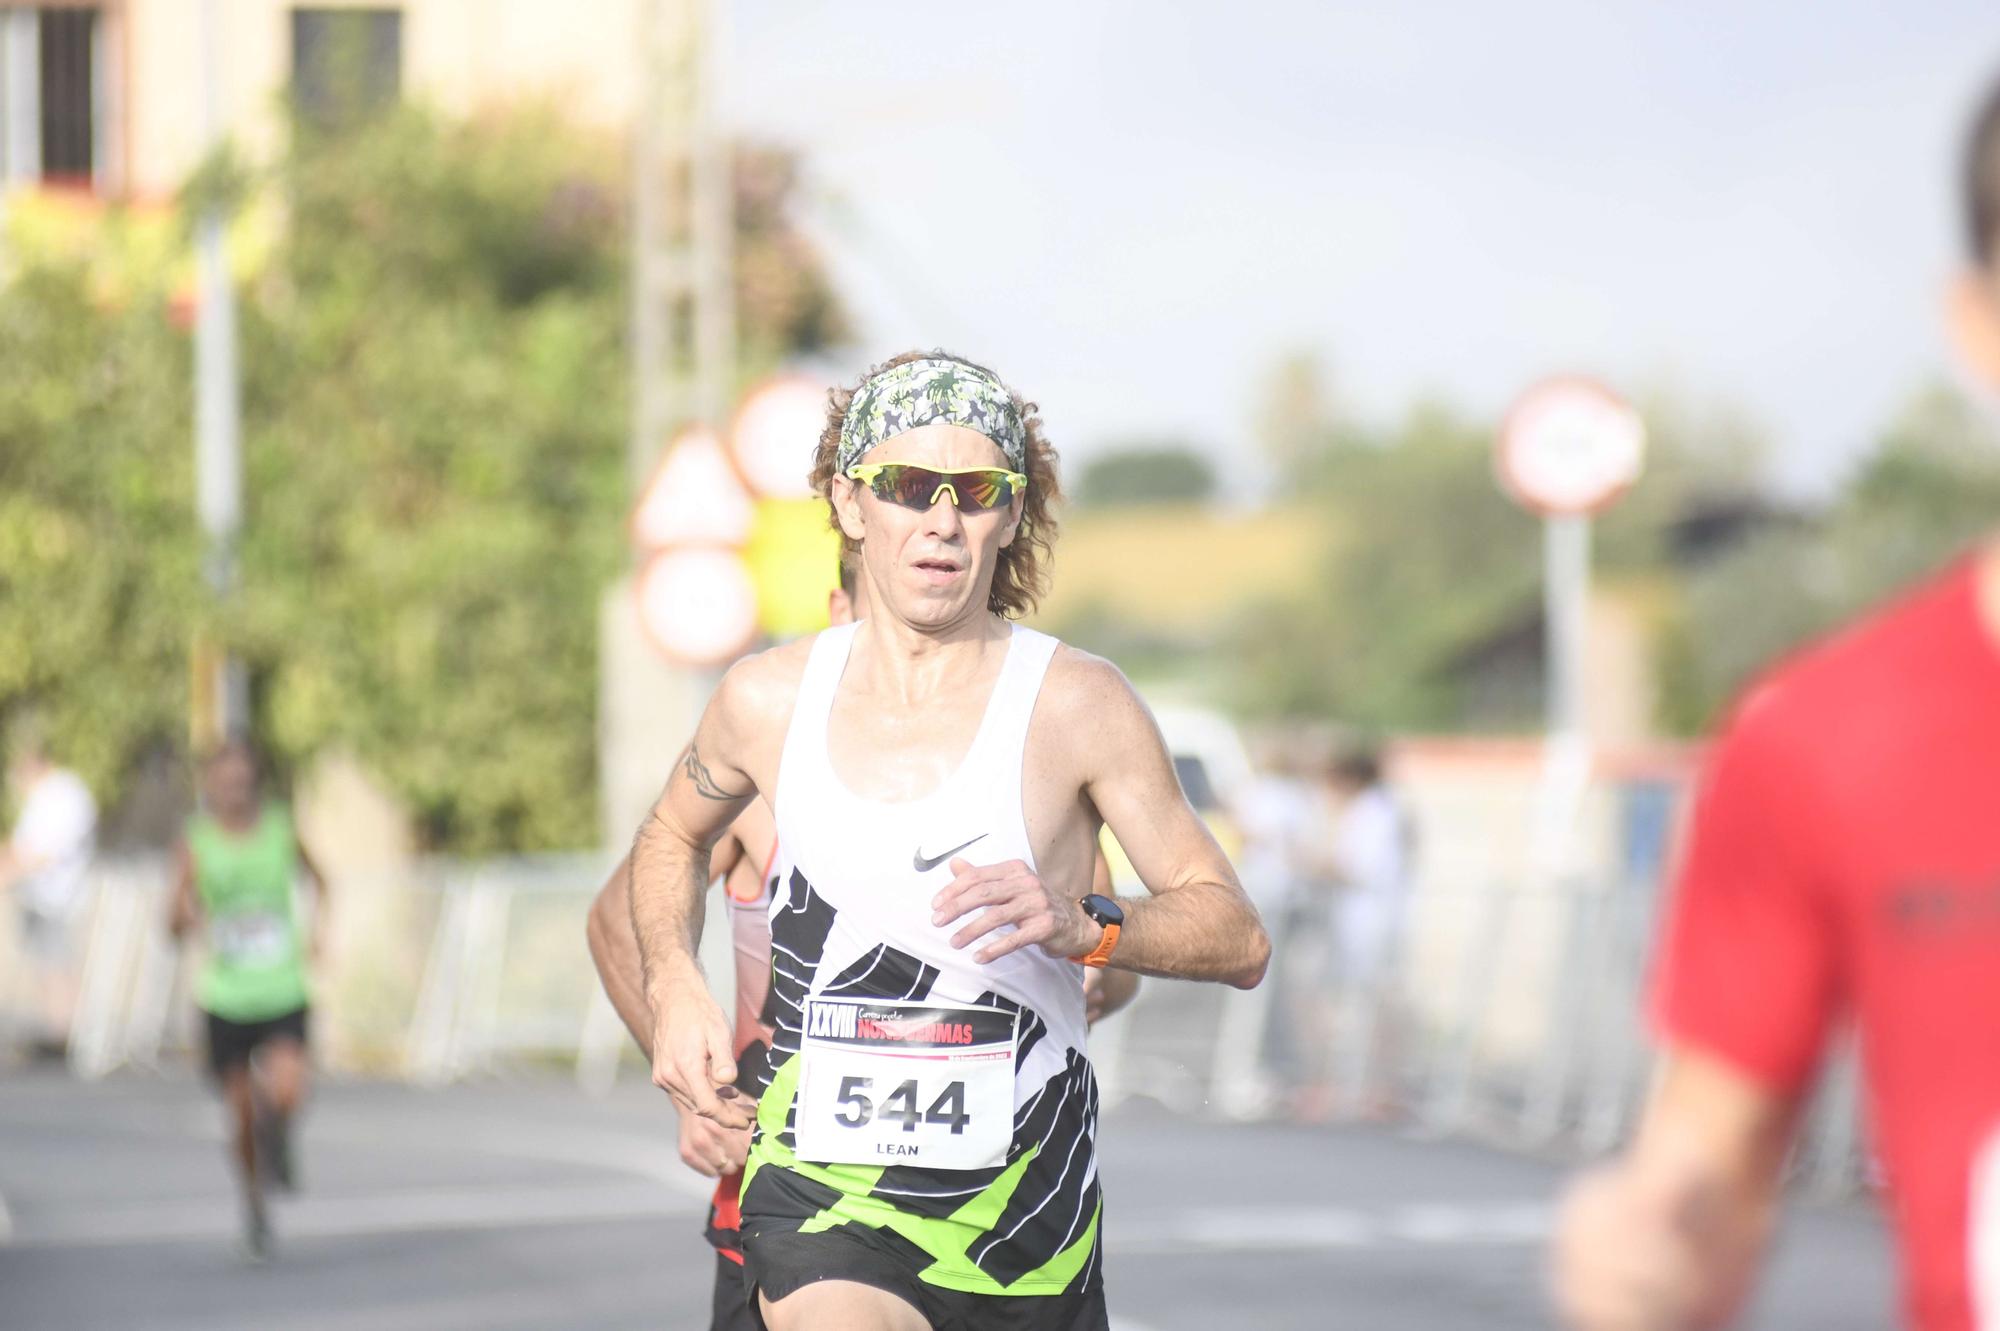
<point x="1111" y="916"/>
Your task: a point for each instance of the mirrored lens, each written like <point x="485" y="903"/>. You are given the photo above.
<point x="917" y="487"/>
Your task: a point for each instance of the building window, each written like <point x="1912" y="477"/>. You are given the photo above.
<point x="346" y="63"/>
<point x="49" y="94"/>
<point x="66" y="94"/>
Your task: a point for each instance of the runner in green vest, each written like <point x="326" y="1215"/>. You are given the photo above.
<point x="237" y="868"/>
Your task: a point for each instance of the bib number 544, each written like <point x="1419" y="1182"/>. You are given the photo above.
<point x="900" y="1105"/>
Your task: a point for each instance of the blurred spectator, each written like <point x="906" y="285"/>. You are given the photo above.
<point x="1276" y="812"/>
<point x="1345" y="934"/>
<point x="1370" y="867"/>
<point x="44" y="863"/>
<point x="1373" y="847"/>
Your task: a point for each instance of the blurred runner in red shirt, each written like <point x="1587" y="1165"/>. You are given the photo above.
<point x="1844" y="858"/>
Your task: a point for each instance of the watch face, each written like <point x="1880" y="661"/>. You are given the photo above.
<point x="1103" y="909"/>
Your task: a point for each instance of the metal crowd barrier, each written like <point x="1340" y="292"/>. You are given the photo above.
<point x="1518" y="1008"/>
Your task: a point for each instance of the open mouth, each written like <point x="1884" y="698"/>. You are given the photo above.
<point x="937" y="569"/>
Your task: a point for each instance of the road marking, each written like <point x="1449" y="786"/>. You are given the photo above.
<point x="1328" y="1228"/>
<point x="499" y="1207"/>
<point x="1207" y="1229"/>
<point x="654" y="1158"/>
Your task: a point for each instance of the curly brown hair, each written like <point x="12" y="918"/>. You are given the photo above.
<point x="1022" y="575"/>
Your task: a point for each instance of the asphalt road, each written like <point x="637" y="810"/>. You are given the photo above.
<point x="515" y="1204"/>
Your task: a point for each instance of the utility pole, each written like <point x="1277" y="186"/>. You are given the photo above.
<point x="711" y="225"/>
<point x="683" y="371"/>
<point x="683" y="223"/>
<point x="221" y="686"/>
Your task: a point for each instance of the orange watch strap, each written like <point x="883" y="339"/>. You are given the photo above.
<point x="1100" y="954"/>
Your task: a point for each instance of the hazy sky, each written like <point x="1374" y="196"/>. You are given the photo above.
<point x="1132" y="210"/>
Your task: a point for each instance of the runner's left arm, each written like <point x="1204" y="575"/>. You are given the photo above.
<point x="1196" y="923"/>
<point x="318" y="877"/>
<point x="1106" y="990"/>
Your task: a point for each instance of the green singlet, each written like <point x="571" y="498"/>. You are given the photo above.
<point x="256" y="964"/>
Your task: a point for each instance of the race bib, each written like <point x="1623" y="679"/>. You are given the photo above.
<point x="251" y="938"/>
<point x="905" y="1084"/>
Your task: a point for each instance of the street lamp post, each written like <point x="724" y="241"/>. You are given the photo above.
<point x="221" y="703"/>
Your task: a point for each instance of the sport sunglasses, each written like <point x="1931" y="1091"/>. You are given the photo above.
<point x="972" y="489"/>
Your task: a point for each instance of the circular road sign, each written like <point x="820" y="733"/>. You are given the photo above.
<point x="699" y="606"/>
<point x="1570" y="446"/>
<point x="772" y="437"/>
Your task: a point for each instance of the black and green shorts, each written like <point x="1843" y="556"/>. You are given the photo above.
<point x="779" y="1260"/>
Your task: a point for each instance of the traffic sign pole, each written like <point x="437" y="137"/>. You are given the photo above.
<point x="1569" y="448"/>
<point x="1566" y="597"/>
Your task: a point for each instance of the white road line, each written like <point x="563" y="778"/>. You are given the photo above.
<point x="503" y="1207"/>
<point x="1323" y="1228"/>
<point x="506" y="1206"/>
<point x="655" y="1158"/>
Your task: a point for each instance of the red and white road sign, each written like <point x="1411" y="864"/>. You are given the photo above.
<point x="1570" y="446"/>
<point x="699" y="606"/>
<point x="772" y="438"/>
<point x="694" y="498"/>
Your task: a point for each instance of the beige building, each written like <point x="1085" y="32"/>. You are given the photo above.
<point x="111" y="96"/>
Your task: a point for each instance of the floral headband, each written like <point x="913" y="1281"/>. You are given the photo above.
<point x="927" y="392"/>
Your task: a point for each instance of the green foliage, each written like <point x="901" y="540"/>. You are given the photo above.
<point x="1435" y="569"/>
<point x="1432" y="560"/>
<point x="99" y="567"/>
<point x="435" y="443"/>
<point x="434" y="436"/>
<point x="1928" y="492"/>
<point x="1146" y="474"/>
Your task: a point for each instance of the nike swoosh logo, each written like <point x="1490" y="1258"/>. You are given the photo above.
<point x="924" y="865"/>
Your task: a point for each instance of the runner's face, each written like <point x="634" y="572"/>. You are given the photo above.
<point x="1975" y="318"/>
<point x="232" y="783"/>
<point x="932" y="567"/>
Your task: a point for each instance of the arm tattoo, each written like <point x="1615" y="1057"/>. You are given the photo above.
<point x="704" y="784"/>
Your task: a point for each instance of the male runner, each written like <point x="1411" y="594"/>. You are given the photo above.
<point x="235" y="875"/>
<point x="924" y="1153"/>
<point x="1844" y="854"/>
<point x="705" y="1146"/>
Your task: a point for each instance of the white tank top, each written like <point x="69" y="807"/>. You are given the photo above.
<point x="861" y="857"/>
<point x="851" y="922"/>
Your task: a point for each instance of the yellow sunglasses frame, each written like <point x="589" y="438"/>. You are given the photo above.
<point x="866" y="472"/>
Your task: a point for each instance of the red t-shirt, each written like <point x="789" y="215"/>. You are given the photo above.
<point x="1844" y="857"/>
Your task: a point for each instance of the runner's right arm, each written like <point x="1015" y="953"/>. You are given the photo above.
<point x="705" y="1147"/>
<point x="711" y="784"/>
<point x="1672" y="1234"/>
<point x="614" y="946"/>
<point x="1747" y="983"/>
<point x="182" y="907"/>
